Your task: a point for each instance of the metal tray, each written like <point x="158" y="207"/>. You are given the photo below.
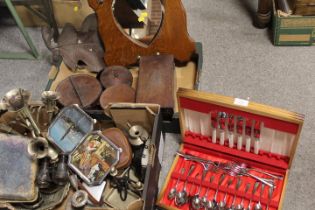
<point x="69" y="128"/>
<point x="93" y="159"/>
<point x="17" y="170"/>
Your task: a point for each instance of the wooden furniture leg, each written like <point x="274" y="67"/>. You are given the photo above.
<point x="263" y="15"/>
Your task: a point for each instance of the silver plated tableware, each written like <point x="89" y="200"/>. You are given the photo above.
<point x="172" y="193"/>
<point x="181" y="198"/>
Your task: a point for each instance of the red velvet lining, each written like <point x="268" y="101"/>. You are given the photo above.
<point x="193" y="184"/>
<point x="263" y="157"/>
<point x="268" y="122"/>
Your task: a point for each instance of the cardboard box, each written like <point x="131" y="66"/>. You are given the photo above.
<point x="149" y="116"/>
<point x="277" y="139"/>
<point x="186" y="77"/>
<point x="292" y="30"/>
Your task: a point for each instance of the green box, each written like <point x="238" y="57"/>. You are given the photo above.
<point x="293" y="30"/>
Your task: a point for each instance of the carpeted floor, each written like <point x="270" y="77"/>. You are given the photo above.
<point x="239" y="61"/>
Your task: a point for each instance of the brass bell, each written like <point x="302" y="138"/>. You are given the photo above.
<point x="43" y="179"/>
<point x="61" y="175"/>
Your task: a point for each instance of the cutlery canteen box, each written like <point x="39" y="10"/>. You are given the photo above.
<point x="275" y="132"/>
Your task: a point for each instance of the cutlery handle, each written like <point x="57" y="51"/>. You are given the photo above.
<point x="260" y="179"/>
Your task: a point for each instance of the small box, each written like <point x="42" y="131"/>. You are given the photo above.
<point x="208" y="124"/>
<point x="292" y="30"/>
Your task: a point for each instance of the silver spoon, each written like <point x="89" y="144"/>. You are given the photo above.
<point x="173" y="191"/>
<point x="271" y="189"/>
<point x="240" y="206"/>
<point x="182" y="197"/>
<point x="196" y="201"/>
<point x="238" y="184"/>
<point x="222" y="203"/>
<point x="258" y="205"/>
<point x="190" y="197"/>
<point x="249" y="207"/>
<point x="205" y="197"/>
<point x="212" y="204"/>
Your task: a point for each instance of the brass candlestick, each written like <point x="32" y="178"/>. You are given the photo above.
<point x="17" y="100"/>
<point x="49" y="98"/>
